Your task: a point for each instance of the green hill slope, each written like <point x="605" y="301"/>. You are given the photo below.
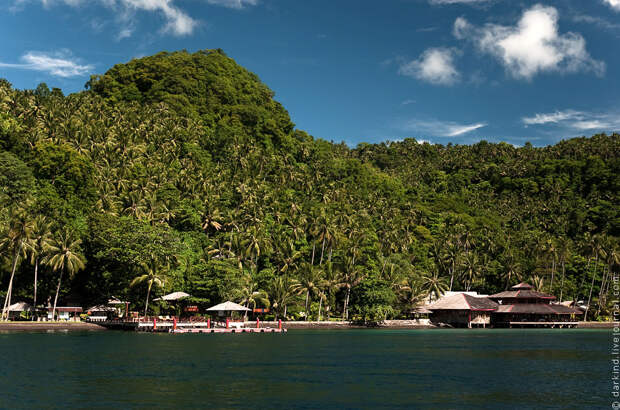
<point x="180" y="170"/>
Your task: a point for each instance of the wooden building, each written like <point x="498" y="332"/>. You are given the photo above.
<point x="462" y="310"/>
<point x="523" y="306"/>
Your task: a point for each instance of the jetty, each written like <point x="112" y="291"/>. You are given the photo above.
<point x="158" y="325"/>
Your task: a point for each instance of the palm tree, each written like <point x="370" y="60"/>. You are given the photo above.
<point x="41" y="241"/>
<point x="251" y="295"/>
<point x="282" y="291"/>
<point x="154" y="274"/>
<point x="17" y="241"/>
<point x="63" y="255"/>
<point x="434" y="285"/>
<point x="309" y="282"/>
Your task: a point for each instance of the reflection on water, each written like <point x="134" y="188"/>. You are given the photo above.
<point x="308" y="369"/>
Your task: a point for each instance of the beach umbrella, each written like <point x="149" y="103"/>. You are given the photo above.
<point x="228" y="307"/>
<point x="174" y="296"/>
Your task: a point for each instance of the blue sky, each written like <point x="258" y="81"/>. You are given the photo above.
<point x="357" y="70"/>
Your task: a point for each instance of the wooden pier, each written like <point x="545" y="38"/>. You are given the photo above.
<point x="179" y="327"/>
<point x="544" y="324"/>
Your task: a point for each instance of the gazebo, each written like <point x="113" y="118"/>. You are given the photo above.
<point x="225" y="310"/>
<point x="173" y="298"/>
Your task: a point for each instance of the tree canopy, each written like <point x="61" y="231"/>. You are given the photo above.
<point x="184" y="167"/>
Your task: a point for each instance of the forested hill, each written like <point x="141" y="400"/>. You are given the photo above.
<point x="181" y="172"/>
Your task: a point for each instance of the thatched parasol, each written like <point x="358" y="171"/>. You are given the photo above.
<point x="173" y="296"/>
<point x="228" y="307"/>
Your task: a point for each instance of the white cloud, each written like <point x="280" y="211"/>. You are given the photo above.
<point x="553" y="117"/>
<point x="178" y="22"/>
<point x="435" y="65"/>
<point x="576" y="120"/>
<point x="532" y="46"/>
<point x="614" y="4"/>
<point x="456" y="1"/>
<point x="233" y="4"/>
<point x="408" y="102"/>
<point x="59" y="64"/>
<point x="441" y="128"/>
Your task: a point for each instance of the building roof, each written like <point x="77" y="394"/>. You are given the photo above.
<point x="522" y="286"/>
<point x="71" y="309"/>
<point x="464" y="301"/>
<point x="20" y="307"/>
<point x="174" y="296"/>
<point x="228" y="307"/>
<point x="522" y="294"/>
<point x="100" y="308"/>
<point x="538" y="308"/>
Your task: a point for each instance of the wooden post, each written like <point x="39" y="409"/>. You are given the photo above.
<point x="154" y="324"/>
<point x="174" y="323"/>
<point x="227" y="323"/>
<point x="257" y="323"/>
<point x="280" y="324"/>
<point x="209" y="323"/>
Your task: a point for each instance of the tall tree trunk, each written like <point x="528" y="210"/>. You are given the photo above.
<point x="307" y="297"/>
<point x="562" y="283"/>
<point x="312" y="260"/>
<point x="322" y="251"/>
<point x="148" y="294"/>
<point x="7" y="299"/>
<point x="36" y="269"/>
<point x="320" y="305"/>
<point x="585" y="316"/>
<point x="346" y="304"/>
<point x="552" y="275"/>
<point x="57" y="291"/>
<point x="451" y="277"/>
<point x="285" y="306"/>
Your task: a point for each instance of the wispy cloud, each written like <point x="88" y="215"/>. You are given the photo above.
<point x="596" y="21"/>
<point x="614" y="4"/>
<point x="441" y="128"/>
<point x="435" y="65"/>
<point x="59" y="64"/>
<point x="407" y="102"/>
<point x="177" y="21"/>
<point x="457" y="1"/>
<point x="533" y="45"/>
<point x="233" y="4"/>
<point x="576" y="120"/>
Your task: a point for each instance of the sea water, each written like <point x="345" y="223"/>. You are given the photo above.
<point x="483" y="368"/>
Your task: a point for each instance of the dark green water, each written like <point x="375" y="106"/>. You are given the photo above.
<point x="308" y="369"/>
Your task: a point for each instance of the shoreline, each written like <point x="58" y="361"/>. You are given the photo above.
<point x="311" y="325"/>
<point x="49" y="326"/>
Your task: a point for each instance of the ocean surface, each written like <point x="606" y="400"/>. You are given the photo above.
<point x="435" y="369"/>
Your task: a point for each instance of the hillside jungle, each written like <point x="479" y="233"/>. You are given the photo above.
<point x="181" y="172"/>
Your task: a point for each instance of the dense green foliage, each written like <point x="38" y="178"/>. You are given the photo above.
<point x="181" y="172"/>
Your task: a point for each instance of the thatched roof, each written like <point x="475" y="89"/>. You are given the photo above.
<point x="174" y="296"/>
<point x="101" y="308"/>
<point x="538" y="309"/>
<point x="522" y="286"/>
<point x="463" y="301"/>
<point x="20" y="307"/>
<point x="522" y="294"/>
<point x="115" y="301"/>
<point x="228" y="307"/>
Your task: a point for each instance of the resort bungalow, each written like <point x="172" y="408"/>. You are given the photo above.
<point x="462" y="310"/>
<point x="523" y="306"/>
<point x="64" y="313"/>
<point x="20" y="310"/>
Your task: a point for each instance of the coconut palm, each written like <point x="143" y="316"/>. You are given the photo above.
<point x="16" y="242"/>
<point x="63" y="255"/>
<point x="282" y="291"/>
<point x="154" y="275"/>
<point x="41" y="241"/>
<point x="434" y="285"/>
